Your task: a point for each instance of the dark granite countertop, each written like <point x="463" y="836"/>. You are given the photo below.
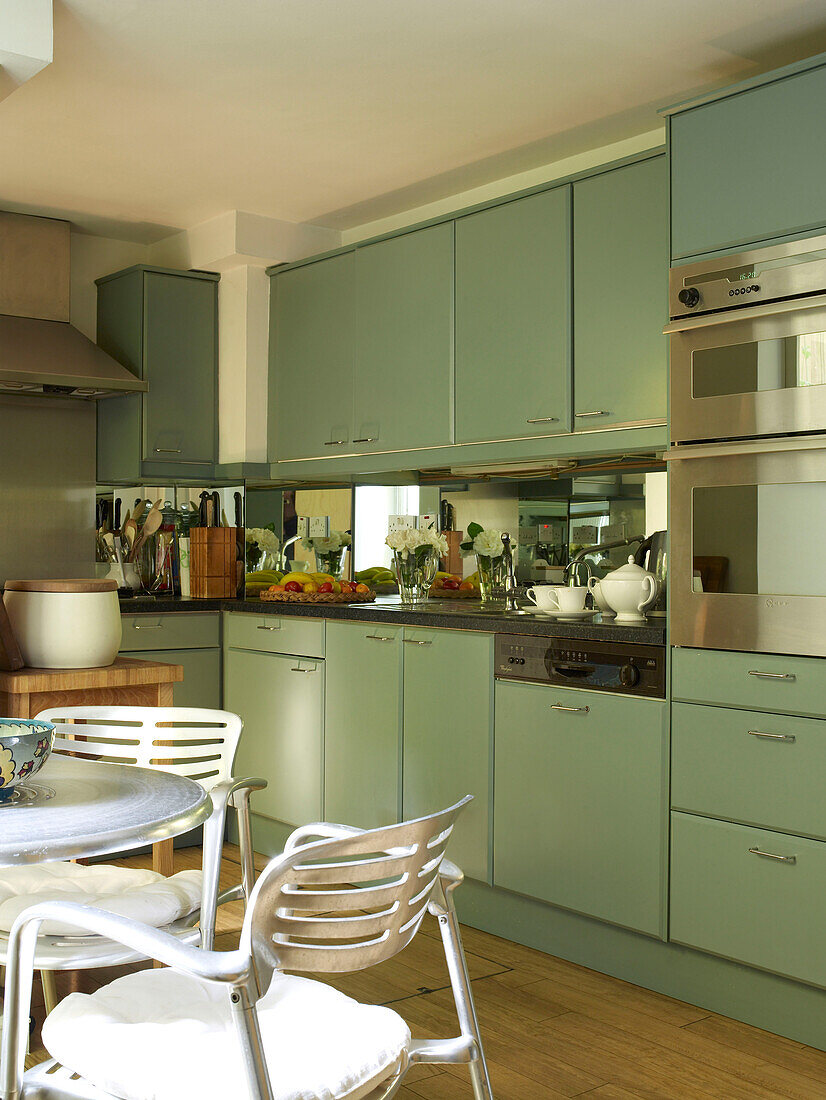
<point x="454" y="614"/>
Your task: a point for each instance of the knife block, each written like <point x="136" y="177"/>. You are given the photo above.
<point x="212" y="562"/>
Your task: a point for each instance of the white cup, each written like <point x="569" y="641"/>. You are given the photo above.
<point x="557" y="597"/>
<point x="572" y="599"/>
<point x="544" y="596"/>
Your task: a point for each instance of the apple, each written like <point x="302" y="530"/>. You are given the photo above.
<point x="292" y="586"/>
<point x="327" y="586"/>
<point x="451" y="584"/>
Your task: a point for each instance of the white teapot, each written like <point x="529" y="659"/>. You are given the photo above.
<point x="629" y="590"/>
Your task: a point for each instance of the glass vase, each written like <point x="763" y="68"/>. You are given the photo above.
<point x="258" y="560"/>
<point x="492" y="577"/>
<point x="415" y="572"/>
<point x="331" y="561"/>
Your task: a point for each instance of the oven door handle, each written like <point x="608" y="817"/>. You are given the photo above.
<point x="744" y="313"/>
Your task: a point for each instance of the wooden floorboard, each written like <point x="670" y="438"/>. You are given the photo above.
<point x="551" y="1028"/>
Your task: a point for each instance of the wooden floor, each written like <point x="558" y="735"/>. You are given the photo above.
<point x="553" y="1029"/>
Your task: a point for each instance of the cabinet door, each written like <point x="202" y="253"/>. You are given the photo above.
<point x="621" y="296"/>
<point x="180" y="364"/>
<point x="362" y="728"/>
<point x="312" y="319"/>
<point x="513" y="319"/>
<point x="403" y="394"/>
<point x="580" y="801"/>
<point x="120" y="334"/>
<point x="281" y="700"/>
<point x="448" y="678"/>
<point x="746" y="168"/>
<point x="201" y="686"/>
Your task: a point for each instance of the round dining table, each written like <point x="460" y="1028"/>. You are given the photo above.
<point x="82" y="808"/>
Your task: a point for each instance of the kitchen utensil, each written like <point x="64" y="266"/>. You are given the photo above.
<point x="116" y="518"/>
<point x="139" y="509"/>
<point x="65" y="623"/>
<point x="152" y="523"/>
<point x="629" y="590"/>
<point x="216" y="509"/>
<point x="447" y="516"/>
<point x="204" y="509"/>
<point x="26" y="745"/>
<point x="130" y="533"/>
<point x="239" y="504"/>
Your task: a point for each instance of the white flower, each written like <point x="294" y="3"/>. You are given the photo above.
<point x="407" y="539"/>
<point x="329" y="543"/>
<point x="488" y="543"/>
<point x="263" y="538"/>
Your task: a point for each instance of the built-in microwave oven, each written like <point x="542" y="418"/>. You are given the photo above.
<point x="748" y="344"/>
<point x="748" y="546"/>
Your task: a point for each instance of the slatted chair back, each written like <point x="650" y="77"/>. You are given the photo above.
<point x="191" y="741"/>
<point x="334" y="906"/>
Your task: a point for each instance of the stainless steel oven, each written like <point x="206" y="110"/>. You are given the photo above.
<point x="748" y="546"/>
<point x="748" y="344"/>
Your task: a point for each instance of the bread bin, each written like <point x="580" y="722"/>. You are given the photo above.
<point x="65" y="623"/>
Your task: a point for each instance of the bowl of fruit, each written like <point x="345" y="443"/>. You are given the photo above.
<point x="450" y="586"/>
<point x="315" y="588"/>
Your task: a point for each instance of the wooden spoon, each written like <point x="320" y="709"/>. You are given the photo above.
<point x="152" y="523"/>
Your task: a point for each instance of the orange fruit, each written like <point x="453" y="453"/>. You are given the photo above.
<point x="361" y="589"/>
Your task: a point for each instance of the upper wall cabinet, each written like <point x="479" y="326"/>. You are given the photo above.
<point x="749" y="167"/>
<point x="163" y="326"/>
<point x="403" y="393"/>
<point x="312" y="344"/>
<point x="513" y="319"/>
<point x="621" y="296"/>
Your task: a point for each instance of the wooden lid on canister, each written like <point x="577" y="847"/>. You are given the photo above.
<point x="81" y="585"/>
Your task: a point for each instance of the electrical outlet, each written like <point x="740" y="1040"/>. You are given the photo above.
<point x="303" y="529"/>
<point x="319" y="527"/>
<point x="427" y="520"/>
<point x="395" y="523"/>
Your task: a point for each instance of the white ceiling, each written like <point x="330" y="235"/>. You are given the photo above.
<point x="159" y="114"/>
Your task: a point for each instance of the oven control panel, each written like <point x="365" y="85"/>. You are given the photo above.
<point x="574" y="662"/>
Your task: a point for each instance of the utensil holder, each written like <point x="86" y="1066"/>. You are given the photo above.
<point x="212" y="562"/>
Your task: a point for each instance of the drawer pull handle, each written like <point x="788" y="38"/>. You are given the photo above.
<point x="367" y="439"/>
<point x="571" y="710"/>
<point x="772" y="675"/>
<point x="595" y="412"/>
<point x="336" y="443"/>
<point x="276" y="627"/>
<point x="299" y="669"/>
<point x="789" y="738"/>
<point x="148" y="626"/>
<point x="378" y="638"/>
<point x="771" y="855"/>
<point x="543" y="420"/>
<point x="415" y="641"/>
<point x="167" y="450"/>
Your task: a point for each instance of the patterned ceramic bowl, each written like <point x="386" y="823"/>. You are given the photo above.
<point x="25" y="745"/>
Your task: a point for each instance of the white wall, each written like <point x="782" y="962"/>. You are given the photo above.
<point x="93" y="257"/>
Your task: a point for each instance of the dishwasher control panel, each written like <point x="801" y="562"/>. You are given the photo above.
<point x="574" y="662"/>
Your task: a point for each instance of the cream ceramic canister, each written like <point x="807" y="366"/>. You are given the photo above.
<point x="65" y="623"/>
<point x="629" y="590"/>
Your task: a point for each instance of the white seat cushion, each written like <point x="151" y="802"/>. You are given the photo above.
<point x="142" y="895"/>
<point x="161" y="1035"/>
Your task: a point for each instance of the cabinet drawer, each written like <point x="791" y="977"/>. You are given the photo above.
<point x="731" y="901"/>
<point x="178" y="630"/>
<point x="758" y="681"/>
<point x="275" y="634"/>
<point x="749" y="766"/>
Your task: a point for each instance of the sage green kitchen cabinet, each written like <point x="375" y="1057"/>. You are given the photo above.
<point x="513" y="319"/>
<point x="580" y="801"/>
<point x="621" y="296"/>
<point x="312" y="334"/>
<point x="754" y="681"/>
<point x="281" y="699"/>
<point x="448" y="725"/>
<point x="191" y="640"/>
<point x="163" y="326"/>
<point x="747" y="167"/>
<point x="403" y="373"/>
<point x="750" y="895"/>
<point x="363" y="724"/>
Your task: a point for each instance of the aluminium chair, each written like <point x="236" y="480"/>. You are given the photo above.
<point x="190" y="741"/>
<point x="233" y="1024"/>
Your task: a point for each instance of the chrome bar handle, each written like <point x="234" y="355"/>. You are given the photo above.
<point x="771" y="855"/>
<point x="378" y="638"/>
<point x="415" y="641"/>
<point x="367" y="439"/>
<point x="543" y="420"/>
<point x="336" y="443"/>
<point x="147" y="626"/>
<point x="168" y="450"/>
<point x="594" y="412"/>
<point x="571" y="710"/>
<point x="772" y="675"/>
<point x="276" y="627"/>
<point x="298" y="668"/>
<point x="788" y="737"/>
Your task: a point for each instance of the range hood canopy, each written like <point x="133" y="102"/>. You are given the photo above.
<point x="40" y="352"/>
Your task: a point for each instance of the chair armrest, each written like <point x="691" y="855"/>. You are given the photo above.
<point x="221" y="793"/>
<point x="217" y="966"/>
<point x="319" y="830"/>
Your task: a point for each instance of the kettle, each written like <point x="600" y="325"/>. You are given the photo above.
<point x="629" y="590"/>
<point x="653" y="555"/>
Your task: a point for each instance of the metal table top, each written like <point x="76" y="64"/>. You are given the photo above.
<point x="98" y="809"/>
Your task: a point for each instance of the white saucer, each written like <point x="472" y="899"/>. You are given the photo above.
<point x="570" y="616"/>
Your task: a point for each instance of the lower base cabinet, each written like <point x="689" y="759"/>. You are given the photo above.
<point x="201" y="685"/>
<point x="750" y="895"/>
<point x="580" y="797"/>
<point x="281" y="699"/>
<point x="192" y="640"/>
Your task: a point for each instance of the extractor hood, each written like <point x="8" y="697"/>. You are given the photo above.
<point x="40" y="351"/>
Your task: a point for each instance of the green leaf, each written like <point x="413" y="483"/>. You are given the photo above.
<point x="473" y="530"/>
